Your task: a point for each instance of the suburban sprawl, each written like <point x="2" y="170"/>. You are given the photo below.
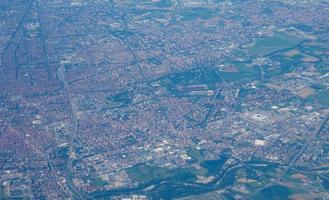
<point x="164" y="99"/>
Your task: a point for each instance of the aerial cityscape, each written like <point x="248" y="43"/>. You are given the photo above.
<point x="164" y="99"/>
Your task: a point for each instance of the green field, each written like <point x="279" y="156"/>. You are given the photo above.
<point x="2" y="194"/>
<point x="98" y="181"/>
<point x="206" y="196"/>
<point x="142" y="173"/>
<point x="275" y="192"/>
<point x="322" y="98"/>
<point x="268" y="44"/>
<point x="197" y="155"/>
<point x="193" y="14"/>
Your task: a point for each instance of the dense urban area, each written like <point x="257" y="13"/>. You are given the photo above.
<point x="164" y="99"/>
